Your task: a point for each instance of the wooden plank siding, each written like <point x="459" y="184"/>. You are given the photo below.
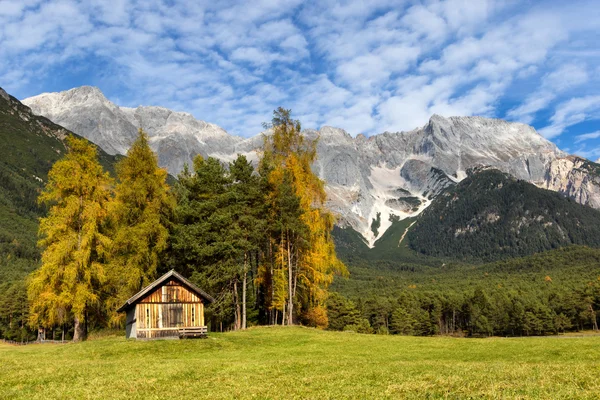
<point x="172" y="291"/>
<point x="170" y="307"/>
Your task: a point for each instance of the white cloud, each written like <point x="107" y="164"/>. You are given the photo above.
<point x="590" y="154"/>
<point x="466" y="16"/>
<point x="365" y="66"/>
<point x="570" y="113"/>
<point x="564" y="78"/>
<point x="12" y="8"/>
<point x="425" y="23"/>
<point x="587" y="136"/>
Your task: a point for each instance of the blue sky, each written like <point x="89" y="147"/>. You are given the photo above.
<point x="365" y="66"/>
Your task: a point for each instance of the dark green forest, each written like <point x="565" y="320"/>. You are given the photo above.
<point x="546" y="293"/>
<point x="490" y="216"/>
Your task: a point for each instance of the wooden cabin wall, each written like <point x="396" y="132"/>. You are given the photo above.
<point x="168" y="308"/>
<point x="158" y="316"/>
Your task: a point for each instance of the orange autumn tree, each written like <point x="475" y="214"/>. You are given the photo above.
<point x="301" y="260"/>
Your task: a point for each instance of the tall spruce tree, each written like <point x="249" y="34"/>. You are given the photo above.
<point x="202" y="242"/>
<point x="142" y="211"/>
<point x="219" y="230"/>
<point x="75" y="245"/>
<point x="247" y="209"/>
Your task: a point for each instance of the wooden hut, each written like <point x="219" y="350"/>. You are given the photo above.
<point x="171" y="306"/>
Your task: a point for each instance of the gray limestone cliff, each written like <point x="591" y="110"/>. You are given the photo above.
<point x="393" y="175"/>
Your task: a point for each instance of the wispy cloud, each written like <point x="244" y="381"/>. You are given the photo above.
<point x="587" y="136"/>
<point x="363" y="66"/>
<point x="572" y="112"/>
<point x="589" y="153"/>
<point x="566" y="77"/>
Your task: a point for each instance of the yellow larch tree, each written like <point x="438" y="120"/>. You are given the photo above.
<point x="303" y="249"/>
<point x="75" y="245"/>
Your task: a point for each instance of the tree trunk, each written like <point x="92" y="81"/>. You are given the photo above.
<point x="78" y="332"/>
<point x="295" y="280"/>
<point x="593" y="317"/>
<point x="290" y="291"/>
<point x="453" y="320"/>
<point x="237" y="324"/>
<point x="85" y="324"/>
<point x="244" y="284"/>
<point x="283" y="315"/>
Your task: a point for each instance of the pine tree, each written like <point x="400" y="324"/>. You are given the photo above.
<point x="142" y="211"/>
<point x="75" y="245"/>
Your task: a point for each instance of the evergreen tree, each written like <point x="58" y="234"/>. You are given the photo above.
<point x="142" y="211"/>
<point x="247" y="205"/>
<point x="204" y="236"/>
<point x="75" y="245"/>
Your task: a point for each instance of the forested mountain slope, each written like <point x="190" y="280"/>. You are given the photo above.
<point x="491" y="215"/>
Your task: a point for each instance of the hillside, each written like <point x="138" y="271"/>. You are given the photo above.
<point x="491" y="215"/>
<point x="30" y="145"/>
<point x="570" y="268"/>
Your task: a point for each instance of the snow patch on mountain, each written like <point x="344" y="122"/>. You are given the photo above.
<point x="390" y="201"/>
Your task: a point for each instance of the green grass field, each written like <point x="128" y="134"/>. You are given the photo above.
<point x="305" y="363"/>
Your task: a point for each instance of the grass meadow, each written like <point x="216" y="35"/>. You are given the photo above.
<point x="302" y="363"/>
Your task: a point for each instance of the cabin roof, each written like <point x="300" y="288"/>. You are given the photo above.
<point x="157" y="283"/>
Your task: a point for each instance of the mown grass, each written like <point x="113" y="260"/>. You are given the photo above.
<point x="305" y="363"/>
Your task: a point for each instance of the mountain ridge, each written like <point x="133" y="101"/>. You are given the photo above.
<point x="369" y="181"/>
<point x="492" y="215"/>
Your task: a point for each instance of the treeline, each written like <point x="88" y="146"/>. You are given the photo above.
<point x="258" y="240"/>
<point x="490" y="216"/>
<point x="473" y="313"/>
<point x="548" y="293"/>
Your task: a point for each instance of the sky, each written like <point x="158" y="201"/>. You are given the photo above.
<point x="364" y="66"/>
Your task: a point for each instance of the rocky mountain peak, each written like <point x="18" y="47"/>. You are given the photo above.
<point x="4" y="95"/>
<point x="381" y="178"/>
<point x="333" y="135"/>
<point x="84" y="95"/>
<point x="177" y="137"/>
